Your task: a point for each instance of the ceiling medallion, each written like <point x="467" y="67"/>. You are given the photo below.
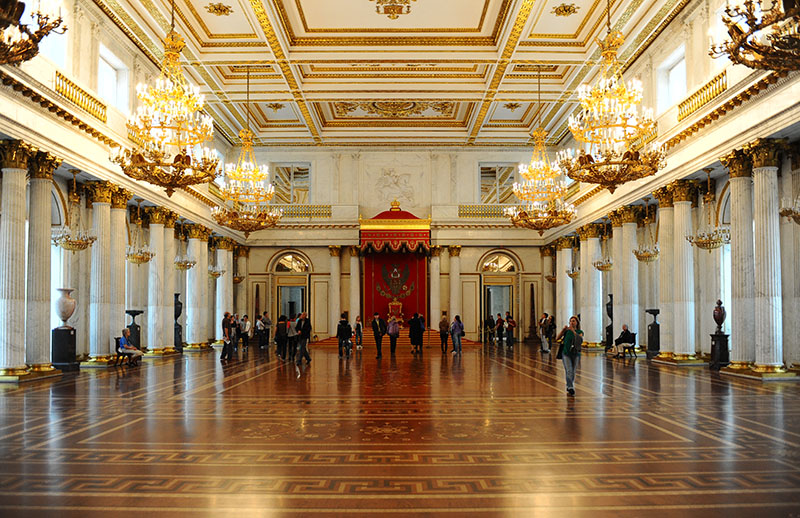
<point x="613" y="125"/>
<point x="512" y="107"/>
<point x="275" y="107"/>
<point x="762" y="35"/>
<point x="565" y="10"/>
<point x="219" y="9"/>
<point x="247" y="189"/>
<point x="393" y="8"/>
<point x="20" y="42"/>
<point x="395" y="109"/>
<point x="169" y="128"/>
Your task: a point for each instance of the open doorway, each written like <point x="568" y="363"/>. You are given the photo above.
<point x="291" y="300"/>
<point x="497" y="299"/>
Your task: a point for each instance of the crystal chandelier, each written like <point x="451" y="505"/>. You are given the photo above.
<point x="73" y="236"/>
<point x="612" y="125"/>
<point x="182" y="261"/>
<point x="605" y="263"/>
<point x="574" y="272"/>
<point x="138" y="252"/>
<point x="393" y="8"/>
<point x="215" y="270"/>
<point x="20" y="42"/>
<point x="793" y="212"/>
<point x="544" y="188"/>
<point x="247" y="189"/>
<point x="648" y="250"/>
<point x="765" y="39"/>
<point x="712" y="236"/>
<point x="169" y="128"/>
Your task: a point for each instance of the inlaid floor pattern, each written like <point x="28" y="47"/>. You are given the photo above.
<point x="490" y="433"/>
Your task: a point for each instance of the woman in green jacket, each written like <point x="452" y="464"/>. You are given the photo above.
<point x="572" y="335"/>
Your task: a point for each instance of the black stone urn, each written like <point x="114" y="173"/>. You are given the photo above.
<point x="135" y="329"/>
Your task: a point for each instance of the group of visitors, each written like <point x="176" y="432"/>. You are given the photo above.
<point x="455" y="330"/>
<point x="292" y="335"/>
<point x="381" y="328"/>
<point x="547" y="332"/>
<point x="500" y="329"/>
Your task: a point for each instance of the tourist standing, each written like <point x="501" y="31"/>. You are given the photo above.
<point x="511" y="324"/>
<point x="444" y="331"/>
<point x="227" y="342"/>
<point x="415" y="333"/>
<point x="544" y="346"/>
<point x="343" y="333"/>
<point x="281" y="336"/>
<point x="500" y="328"/>
<point x="303" y="336"/>
<point x="457" y="331"/>
<point x="393" y="330"/>
<point x="358" y="332"/>
<point x="267" y="328"/>
<point x="291" y="333"/>
<point x="570" y="352"/>
<point x="378" y="330"/>
<point x="246" y="328"/>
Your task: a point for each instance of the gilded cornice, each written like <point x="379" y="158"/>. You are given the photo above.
<point x="42" y="164"/>
<point x="197" y="231"/>
<point x="630" y="213"/>
<point x="684" y="190"/>
<point x="738" y="163"/>
<point x="120" y="197"/>
<point x="616" y="217"/>
<point x="15" y="154"/>
<point x="664" y="197"/>
<point x="454" y="250"/>
<point x="766" y="152"/>
<point x="335" y="250"/>
<point x="100" y="192"/>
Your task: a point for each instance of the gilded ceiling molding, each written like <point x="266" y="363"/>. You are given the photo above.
<point x="565" y="10"/>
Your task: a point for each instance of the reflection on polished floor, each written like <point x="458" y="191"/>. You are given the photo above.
<point x="491" y="433"/>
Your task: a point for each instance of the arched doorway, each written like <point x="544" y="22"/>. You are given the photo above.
<point x="290" y="287"/>
<point x="499" y="271"/>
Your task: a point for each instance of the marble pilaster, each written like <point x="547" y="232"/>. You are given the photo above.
<point x="455" y="281"/>
<point x="37" y="324"/>
<point x="683" y="275"/>
<point x="155" y="288"/>
<point x="629" y="271"/>
<point x="100" y="337"/>
<point x="666" y="233"/>
<point x="334" y="288"/>
<point x="617" y="273"/>
<point x="117" y="243"/>
<point x="14" y="157"/>
<point x="355" y="284"/>
<point x="591" y="307"/>
<point x="196" y="285"/>
<point x="170" y="274"/>
<point x="436" y="284"/>
<point x="224" y="291"/>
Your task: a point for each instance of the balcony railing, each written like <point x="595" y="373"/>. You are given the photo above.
<point x="305" y="211"/>
<point x="83" y="99"/>
<point x="484" y="211"/>
<point x="704" y="95"/>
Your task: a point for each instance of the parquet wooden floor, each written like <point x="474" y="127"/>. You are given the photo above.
<point x="490" y="433"/>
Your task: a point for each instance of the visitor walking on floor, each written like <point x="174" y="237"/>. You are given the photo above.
<point x="267" y="322"/>
<point x="544" y="346"/>
<point x="378" y="330"/>
<point x="416" y="332"/>
<point x="343" y="333"/>
<point x="457" y="332"/>
<point x="393" y="330"/>
<point x="291" y="332"/>
<point x="500" y="328"/>
<point x="358" y="333"/>
<point x="303" y="336"/>
<point x="444" y="331"/>
<point x="227" y="341"/>
<point x="281" y="337"/>
<point x="570" y="351"/>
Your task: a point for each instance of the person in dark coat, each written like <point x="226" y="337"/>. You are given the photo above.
<point x="378" y="330"/>
<point x="416" y="331"/>
<point x="343" y="333"/>
<point x="303" y="336"/>
<point x="281" y="337"/>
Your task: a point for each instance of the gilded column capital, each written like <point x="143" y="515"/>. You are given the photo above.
<point x="588" y="231"/>
<point x="226" y="243"/>
<point x="170" y="218"/>
<point x="42" y="164"/>
<point x="630" y="213"/>
<point x="547" y="251"/>
<point x="242" y="251"/>
<point x="100" y="192"/>
<point x="156" y="215"/>
<point x="197" y="231"/>
<point x="684" y="190"/>
<point x="354" y="250"/>
<point x="738" y="163"/>
<point x="436" y="250"/>
<point x="766" y="152"/>
<point x="564" y="242"/>
<point x="664" y="197"/>
<point x="120" y="197"/>
<point x="616" y="217"/>
<point x="454" y="250"/>
<point x="14" y="154"/>
<point x="335" y="250"/>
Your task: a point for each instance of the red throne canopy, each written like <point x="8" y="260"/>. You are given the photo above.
<point x="395" y="244"/>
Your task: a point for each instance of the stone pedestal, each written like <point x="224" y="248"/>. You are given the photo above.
<point x="653" y="335"/>
<point x="63" y="349"/>
<point x="720" y="355"/>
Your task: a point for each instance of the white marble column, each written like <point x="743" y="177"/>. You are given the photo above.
<point x="741" y="313"/>
<point x="642" y="270"/>
<point x="666" y="258"/>
<point x="100" y="338"/>
<point x="82" y="281"/>
<point x="710" y="277"/>
<point x="334" y="289"/>
<point x="196" y="285"/>
<point x="765" y="154"/>
<point x="355" y="284"/>
<point x="155" y="288"/>
<point x="565" y="306"/>
<point x="118" y="240"/>
<point x="548" y="295"/>
<point x="683" y="273"/>
<point x="37" y="324"/>
<point x="790" y="259"/>
<point x="170" y="274"/>
<point x="591" y="312"/>
<point x="210" y="296"/>
<point x="224" y="291"/>
<point x="629" y="272"/>
<point x="436" y="285"/>
<point x="455" y="281"/>
<point x="241" y="254"/>
<point x="618" y="272"/>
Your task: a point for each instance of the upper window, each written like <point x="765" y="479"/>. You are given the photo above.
<point x="292" y="183"/>
<point x="498" y="263"/>
<point x="292" y="264"/>
<point x="497" y="183"/>
<point x="112" y="80"/>
<point x="672" y="80"/>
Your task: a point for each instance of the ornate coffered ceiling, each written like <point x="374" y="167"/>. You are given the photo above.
<point x="448" y="72"/>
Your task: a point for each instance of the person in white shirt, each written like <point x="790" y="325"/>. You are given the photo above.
<point x="246" y="327"/>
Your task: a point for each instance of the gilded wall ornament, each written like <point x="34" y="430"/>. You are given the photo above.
<point x="219" y="9"/>
<point x="395" y="109"/>
<point x="512" y="107"/>
<point x="393" y="8"/>
<point x="565" y="10"/>
<point x="275" y="106"/>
